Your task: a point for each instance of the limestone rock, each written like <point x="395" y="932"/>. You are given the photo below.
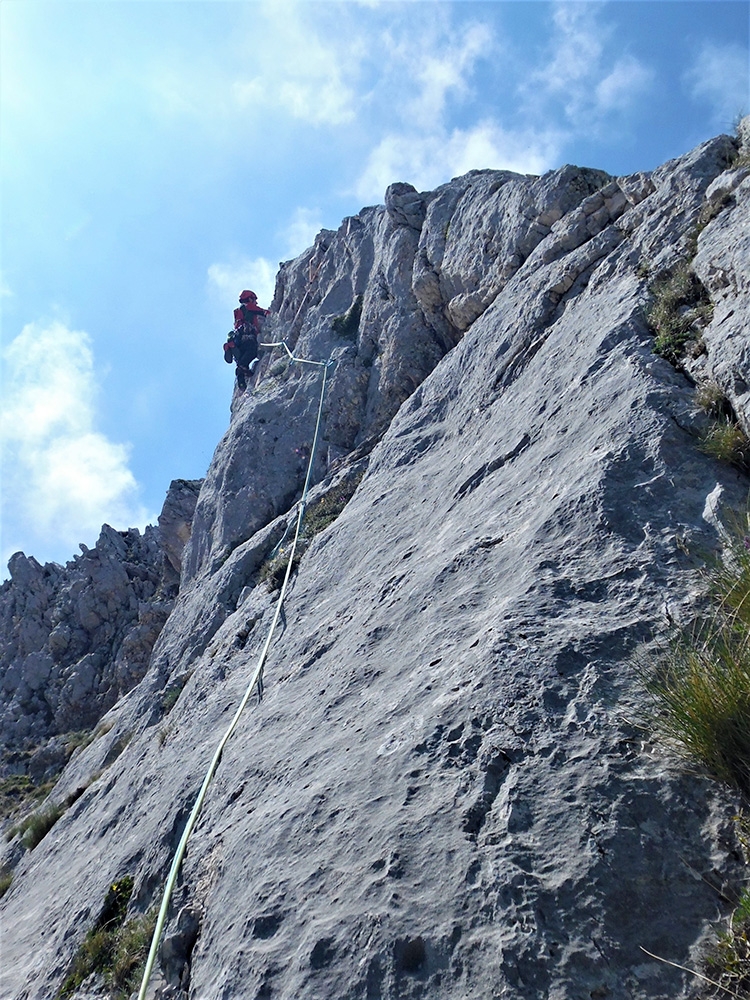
<point x="442" y="793"/>
<point x="76" y="638"/>
<point x="175" y="524"/>
<point x="405" y="205"/>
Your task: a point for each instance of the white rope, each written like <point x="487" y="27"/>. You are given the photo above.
<point x="255" y="681"/>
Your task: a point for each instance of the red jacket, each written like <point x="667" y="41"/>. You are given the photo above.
<point x="247" y="316"/>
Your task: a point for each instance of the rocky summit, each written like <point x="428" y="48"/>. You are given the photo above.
<point x="446" y="790"/>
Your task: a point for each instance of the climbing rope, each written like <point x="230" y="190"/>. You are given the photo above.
<point x="256" y="681"/>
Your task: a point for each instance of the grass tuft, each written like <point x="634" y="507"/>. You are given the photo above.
<point x="702" y="688"/>
<point x="679" y="308"/>
<point x="6" y="879"/>
<point x="273" y="571"/>
<point x="728" y="961"/>
<point x="318" y="517"/>
<point x="324" y="512"/>
<point x="347" y="326"/>
<point x="18" y="791"/>
<point x="115" y="948"/>
<point x="712" y="399"/>
<point x="130" y="953"/>
<point x="35" y="827"/>
<point x="726" y="441"/>
<point x="701" y="691"/>
<point x="701" y="682"/>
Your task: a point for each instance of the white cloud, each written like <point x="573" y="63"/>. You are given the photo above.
<point x="257" y="273"/>
<point x="577" y="49"/>
<point x="227" y="279"/>
<point x="623" y="86"/>
<point x="428" y="160"/>
<point x="300" y="234"/>
<point x="306" y="70"/>
<point x="62" y="478"/>
<point x="442" y="69"/>
<point x="580" y="74"/>
<point x="720" y="78"/>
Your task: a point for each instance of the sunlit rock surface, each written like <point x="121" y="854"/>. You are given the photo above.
<point x="444" y="792"/>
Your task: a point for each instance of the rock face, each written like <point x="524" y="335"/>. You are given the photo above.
<point x="76" y="638"/>
<point x="442" y="793"/>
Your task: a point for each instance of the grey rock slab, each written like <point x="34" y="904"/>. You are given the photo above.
<point x="723" y="265"/>
<point x="442" y="793"/>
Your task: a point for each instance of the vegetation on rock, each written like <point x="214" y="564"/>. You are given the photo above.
<point x="115" y="948"/>
<point x="680" y="304"/>
<point x="701" y="692"/>
<point x="726" y="441"/>
<point x="6" y="879"/>
<point x="348" y="325"/>
<point x="18" y="791"/>
<point x="318" y="516"/>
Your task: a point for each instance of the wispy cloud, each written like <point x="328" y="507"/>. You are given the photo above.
<point x="229" y="279"/>
<point x="305" y="71"/>
<point x="428" y="160"/>
<point x="580" y="74"/>
<point x="628" y="80"/>
<point x="304" y="226"/>
<point x="438" y="65"/>
<point x="62" y="477"/>
<point x="720" y="78"/>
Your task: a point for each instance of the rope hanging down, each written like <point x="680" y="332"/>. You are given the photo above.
<point x="256" y="681"/>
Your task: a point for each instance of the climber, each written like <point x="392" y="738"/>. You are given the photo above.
<point x="242" y="343"/>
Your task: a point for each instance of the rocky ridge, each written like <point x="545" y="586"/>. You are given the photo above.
<point x="442" y="793"/>
<point x="76" y="638"/>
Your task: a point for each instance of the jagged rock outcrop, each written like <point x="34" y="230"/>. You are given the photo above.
<point x="443" y="793"/>
<point x="175" y="525"/>
<point x="415" y="288"/>
<point x="76" y="638"/>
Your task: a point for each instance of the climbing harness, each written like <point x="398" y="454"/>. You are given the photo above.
<point x="256" y="681"/>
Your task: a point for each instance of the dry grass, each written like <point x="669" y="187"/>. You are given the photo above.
<point x="115" y="948"/>
<point x="701" y="683"/>
<point x="726" y="441"/>
<point x="701" y="691"/>
<point x="679" y="308"/>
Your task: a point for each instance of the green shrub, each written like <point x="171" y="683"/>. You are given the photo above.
<point x="348" y="325"/>
<point x="701" y="682"/>
<point x="6" y="878"/>
<point x="726" y="441"/>
<point x="679" y="302"/>
<point x="114" y="948"/>
<point x="35" y="827"/>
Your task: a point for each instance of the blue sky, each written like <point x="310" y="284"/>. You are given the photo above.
<point x="158" y="157"/>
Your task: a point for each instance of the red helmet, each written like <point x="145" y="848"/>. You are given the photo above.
<point x="248" y="296"/>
